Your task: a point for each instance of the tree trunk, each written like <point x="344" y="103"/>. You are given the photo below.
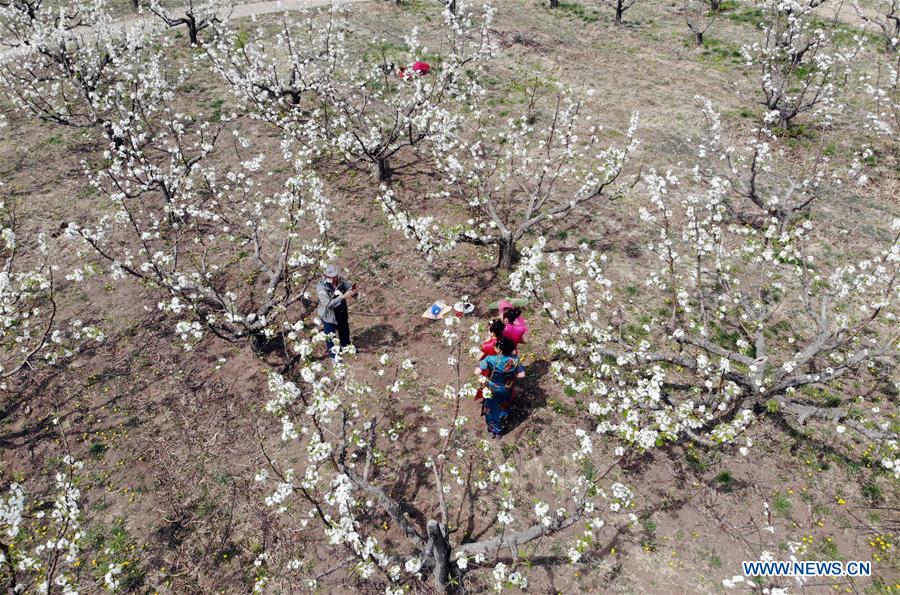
<point x="714" y="5"/>
<point x="619" y="12"/>
<point x="451" y="6"/>
<point x="383" y="169"/>
<point x="192" y="31"/>
<point x="136" y="4"/>
<point x="508" y="253"/>
<point x="554" y="3"/>
<point x="698" y="37"/>
<point x="441" y="551"/>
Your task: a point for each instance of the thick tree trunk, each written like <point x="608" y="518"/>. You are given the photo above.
<point x="441" y="552"/>
<point x="451" y="6"/>
<point x="508" y="254"/>
<point x="192" y="31"/>
<point x="554" y="3"/>
<point x="698" y="37"/>
<point x="620" y="10"/>
<point x="714" y="5"/>
<point x="383" y="169"/>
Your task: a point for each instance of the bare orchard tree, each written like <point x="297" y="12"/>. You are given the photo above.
<point x="61" y="68"/>
<point x="41" y="536"/>
<point x="733" y="326"/>
<point x="375" y="111"/>
<point x="885" y="18"/>
<point x="195" y="15"/>
<point x="699" y="18"/>
<point x="359" y="111"/>
<point x="230" y="255"/>
<point x="346" y="497"/>
<point x="881" y="85"/>
<point x="233" y="254"/>
<point x="522" y="174"/>
<point x="31" y="330"/>
<point x="764" y="182"/>
<point x="17" y="12"/>
<point x="799" y="65"/>
<point x="619" y="7"/>
<point x="282" y="78"/>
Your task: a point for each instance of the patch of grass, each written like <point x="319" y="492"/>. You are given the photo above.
<point x="872" y="492"/>
<point x="697" y="459"/>
<point x="578" y="11"/>
<point x="56" y="139"/>
<point x="116" y="546"/>
<point x="726" y="338"/>
<point x="782" y="505"/>
<point x="742" y="15"/>
<point x="98" y="449"/>
<point x="716" y="51"/>
<point x="725" y="480"/>
<point x="587" y="469"/>
<point x="648" y="540"/>
<point x="799" y="135"/>
<point x="561" y="408"/>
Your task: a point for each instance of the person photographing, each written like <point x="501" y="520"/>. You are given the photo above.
<point x="335" y="294"/>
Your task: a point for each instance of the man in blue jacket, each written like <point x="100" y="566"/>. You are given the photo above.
<point x="335" y="294"/>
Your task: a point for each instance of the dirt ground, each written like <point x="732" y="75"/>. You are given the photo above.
<point x="172" y="441"/>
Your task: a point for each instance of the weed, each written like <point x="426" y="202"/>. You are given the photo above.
<point x="577" y="11"/>
<point x="872" y="492"/>
<point x="725" y="480"/>
<point x="743" y="15"/>
<point x="782" y="505"/>
<point x="98" y="449"/>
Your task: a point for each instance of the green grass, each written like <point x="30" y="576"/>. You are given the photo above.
<point x="782" y="505"/>
<point x="717" y="51"/>
<point x="725" y="480"/>
<point x="116" y="545"/>
<point x="872" y="492"/>
<point x="742" y="15"/>
<point x="578" y="11"/>
<point x="98" y="449"/>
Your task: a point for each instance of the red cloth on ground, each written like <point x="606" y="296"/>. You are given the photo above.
<point x="421" y="68"/>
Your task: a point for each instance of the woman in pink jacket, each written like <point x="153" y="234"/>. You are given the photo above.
<point x="516" y="327"/>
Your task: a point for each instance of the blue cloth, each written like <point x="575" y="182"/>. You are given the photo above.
<point x="501" y="380"/>
<point x="502" y="373"/>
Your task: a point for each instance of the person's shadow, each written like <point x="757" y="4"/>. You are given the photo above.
<point x="529" y="395"/>
<point x="377" y="336"/>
